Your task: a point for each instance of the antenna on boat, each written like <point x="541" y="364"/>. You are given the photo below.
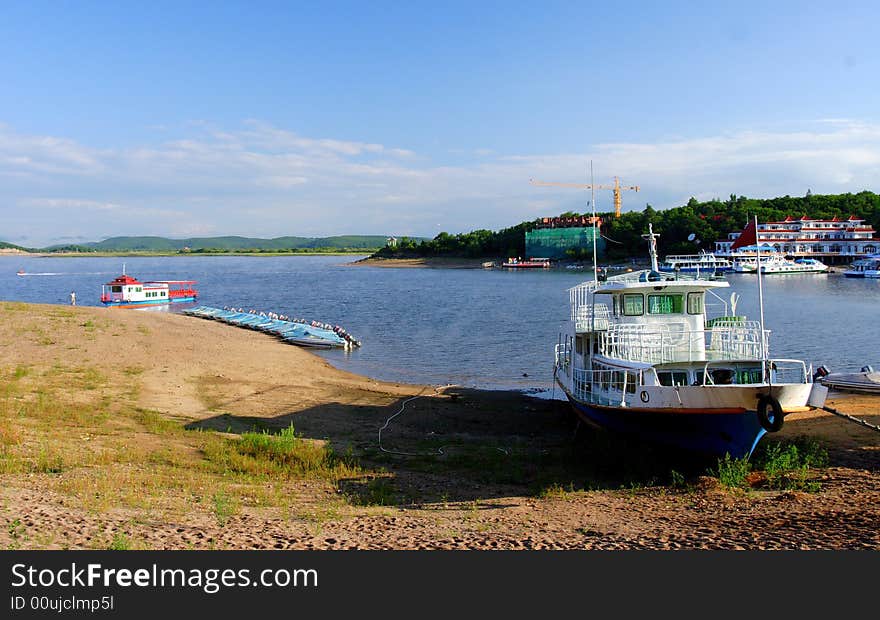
<point x="123" y="268"/>
<point x="595" y="255"/>
<point x="652" y="246"/>
<point x="760" y="292"/>
<point x="595" y="228"/>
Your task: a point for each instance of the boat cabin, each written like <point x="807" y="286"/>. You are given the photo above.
<point x="126" y="290"/>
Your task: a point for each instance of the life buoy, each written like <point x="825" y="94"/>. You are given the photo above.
<point x="645" y="396"/>
<point x="771" y="421"/>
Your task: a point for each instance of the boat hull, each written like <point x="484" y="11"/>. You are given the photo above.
<point x="711" y="432"/>
<point x="147" y="304"/>
<point x="667" y="269"/>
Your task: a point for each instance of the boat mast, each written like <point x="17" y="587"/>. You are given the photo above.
<point x="760" y="292"/>
<point x="595" y="227"/>
<point x="595" y="256"/>
<point x="652" y="248"/>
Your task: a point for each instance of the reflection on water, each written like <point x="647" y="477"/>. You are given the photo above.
<point x="472" y="327"/>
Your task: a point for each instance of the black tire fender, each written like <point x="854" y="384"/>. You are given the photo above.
<point x="770" y="414"/>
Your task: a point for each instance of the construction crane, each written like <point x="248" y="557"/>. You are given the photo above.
<point x="617" y="187"/>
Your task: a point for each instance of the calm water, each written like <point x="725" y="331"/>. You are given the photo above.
<point x="473" y="327"/>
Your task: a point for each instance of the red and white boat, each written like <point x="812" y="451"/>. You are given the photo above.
<point x="128" y="292"/>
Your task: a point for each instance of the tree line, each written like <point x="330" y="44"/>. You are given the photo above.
<point x="707" y="221"/>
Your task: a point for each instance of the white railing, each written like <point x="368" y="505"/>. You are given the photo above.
<point x="621" y="387"/>
<point x="581" y="297"/>
<point x="562" y="359"/>
<point x="585" y="321"/>
<point x="606" y="387"/>
<point x="637" y="343"/>
<point x="660" y="343"/>
<point x="789" y="371"/>
<point x="734" y="338"/>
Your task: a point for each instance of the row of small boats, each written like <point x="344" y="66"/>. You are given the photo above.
<point x="291" y="332"/>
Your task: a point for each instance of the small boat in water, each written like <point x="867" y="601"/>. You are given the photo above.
<point x="779" y="265"/>
<point x="868" y="267"/>
<point x="640" y="355"/>
<point x="745" y="260"/>
<point x="704" y="263"/>
<point x="128" y="292"/>
<point x="531" y="263"/>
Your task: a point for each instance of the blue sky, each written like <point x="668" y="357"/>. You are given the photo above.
<point x="280" y="118"/>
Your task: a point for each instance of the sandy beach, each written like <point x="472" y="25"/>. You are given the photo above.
<point x="151" y="430"/>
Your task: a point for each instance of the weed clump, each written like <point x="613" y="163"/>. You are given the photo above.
<point x="286" y="454"/>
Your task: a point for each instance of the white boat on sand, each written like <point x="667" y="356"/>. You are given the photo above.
<point x="640" y="355"/>
<point x="867" y="380"/>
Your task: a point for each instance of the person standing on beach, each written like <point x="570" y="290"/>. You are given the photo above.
<point x="72" y="298"/>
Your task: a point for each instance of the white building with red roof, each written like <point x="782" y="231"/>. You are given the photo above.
<point x="806" y="237"/>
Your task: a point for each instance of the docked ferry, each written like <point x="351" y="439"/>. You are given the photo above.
<point x="128" y="292"/>
<point x="868" y="267"/>
<point x="531" y="263"/>
<point x="641" y="356"/>
<point x="704" y="262"/>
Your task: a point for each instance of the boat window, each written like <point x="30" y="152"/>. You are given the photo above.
<point x="748" y="375"/>
<point x="721" y="376"/>
<point x="695" y="303"/>
<point x="616" y="304"/>
<point x="633" y="304"/>
<point x="116" y="289"/>
<point x="632" y="379"/>
<point x="717" y="376"/>
<point x="664" y="304"/>
<point x="670" y="378"/>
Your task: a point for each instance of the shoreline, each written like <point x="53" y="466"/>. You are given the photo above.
<point x="143" y="430"/>
<point x="169" y="254"/>
<point x="423" y="263"/>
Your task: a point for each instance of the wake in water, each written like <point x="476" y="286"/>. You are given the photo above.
<point x="58" y="273"/>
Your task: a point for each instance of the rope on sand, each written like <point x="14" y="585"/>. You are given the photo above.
<point x="439" y="452"/>
<point x="846" y="416"/>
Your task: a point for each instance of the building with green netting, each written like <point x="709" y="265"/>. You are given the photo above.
<point x="562" y="243"/>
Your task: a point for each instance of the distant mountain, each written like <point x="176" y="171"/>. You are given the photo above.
<point x="195" y="244"/>
<point x="9" y="246"/>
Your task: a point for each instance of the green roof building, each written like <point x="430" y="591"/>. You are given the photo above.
<point x="556" y="242"/>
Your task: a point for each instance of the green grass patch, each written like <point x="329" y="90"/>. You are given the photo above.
<point x="266" y="454"/>
<point x="120" y="542"/>
<point x="789" y="466"/>
<point x="557" y="491"/>
<point x="224" y="507"/>
<point x="733" y="473"/>
<point x="157" y="423"/>
<point x="373" y="492"/>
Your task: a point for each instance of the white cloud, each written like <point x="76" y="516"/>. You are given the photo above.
<point x="261" y="180"/>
